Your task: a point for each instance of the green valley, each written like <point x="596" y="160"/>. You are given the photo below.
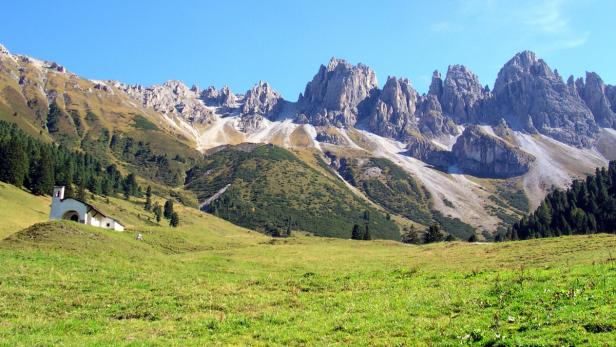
<point x="210" y="282"/>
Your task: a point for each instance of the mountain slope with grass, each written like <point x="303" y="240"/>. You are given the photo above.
<point x="269" y="188"/>
<point x="210" y="282"/>
<point x="54" y="105"/>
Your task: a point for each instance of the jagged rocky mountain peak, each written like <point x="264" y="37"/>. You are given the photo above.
<point x="177" y="87"/>
<point x="436" y="86"/>
<point x="261" y="99"/>
<point x="222" y="97"/>
<point x="334" y="95"/>
<point x="523" y="64"/>
<point x="393" y="114"/>
<point x="530" y="96"/>
<point x="462" y="94"/>
<point x="593" y="92"/>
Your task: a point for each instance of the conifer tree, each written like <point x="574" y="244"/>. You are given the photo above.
<point x="168" y="210"/>
<point x="367" y="236"/>
<point x="356" y="234"/>
<point x="433" y="234"/>
<point x="410" y="235"/>
<point x="148" y="198"/>
<point x="174" y="220"/>
<point x="158" y="212"/>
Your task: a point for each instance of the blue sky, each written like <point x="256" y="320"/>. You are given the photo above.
<point x="284" y="42"/>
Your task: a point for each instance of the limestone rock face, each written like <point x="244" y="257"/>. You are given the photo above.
<point x="481" y="154"/>
<point x="593" y="92"/>
<point x="530" y="96"/>
<point x="262" y="100"/>
<point x="436" y="87"/>
<point x="424" y="150"/>
<point x="170" y="98"/>
<point x="610" y="92"/>
<point x="476" y="153"/>
<point x="431" y="121"/>
<point x="336" y="93"/>
<point x="219" y="98"/>
<point x="462" y="95"/>
<point x="393" y="113"/>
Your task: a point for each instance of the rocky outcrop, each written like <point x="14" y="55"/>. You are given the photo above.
<point x="426" y="151"/>
<point x="593" y="92"/>
<point x="530" y="96"/>
<point x="261" y="100"/>
<point x="393" y="113"/>
<point x="336" y="93"/>
<point x="431" y="121"/>
<point x="172" y="98"/>
<point x="476" y="153"/>
<point x="462" y="95"/>
<point x="219" y="98"/>
<point x="436" y="86"/>
<point x="330" y="135"/>
<point x="610" y="92"/>
<point x="481" y="154"/>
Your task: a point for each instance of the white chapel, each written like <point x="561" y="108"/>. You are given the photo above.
<point x="79" y="211"/>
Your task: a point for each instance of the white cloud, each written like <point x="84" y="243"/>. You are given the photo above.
<point x="544" y="21"/>
<point x="546" y="16"/>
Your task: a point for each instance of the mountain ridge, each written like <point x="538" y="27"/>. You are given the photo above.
<point x="532" y="112"/>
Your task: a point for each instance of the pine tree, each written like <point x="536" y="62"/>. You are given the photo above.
<point x="168" y="210"/>
<point x="356" y="233"/>
<point x="175" y="220"/>
<point x="433" y="234"/>
<point x="472" y="238"/>
<point x="410" y="236"/>
<point x="367" y="235"/>
<point x="158" y="212"/>
<point x="130" y="186"/>
<point x="148" y="198"/>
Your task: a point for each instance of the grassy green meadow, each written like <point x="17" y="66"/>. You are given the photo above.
<point x="212" y="283"/>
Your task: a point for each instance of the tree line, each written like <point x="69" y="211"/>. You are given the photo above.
<point x="587" y="207"/>
<point x="38" y="166"/>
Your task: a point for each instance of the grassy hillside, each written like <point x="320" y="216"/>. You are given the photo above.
<point x="388" y="185"/>
<point x="212" y="283"/>
<point x="270" y="188"/>
<point x="19" y="209"/>
<point x="94" y="118"/>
